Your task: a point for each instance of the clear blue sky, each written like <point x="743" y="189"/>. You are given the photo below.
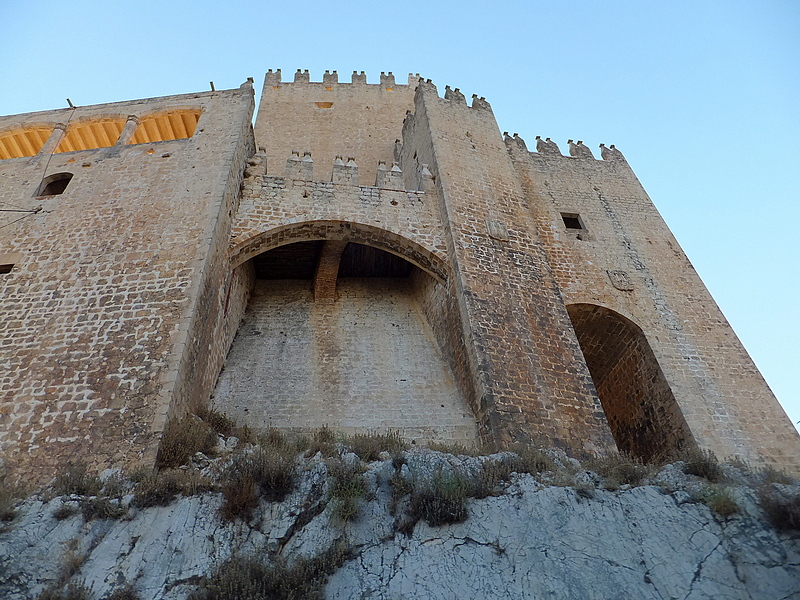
<point x="701" y="97"/>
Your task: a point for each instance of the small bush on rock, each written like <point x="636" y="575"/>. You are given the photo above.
<point x="265" y="473"/>
<point x="533" y="460"/>
<point x="220" y="423"/>
<point x="241" y="578"/>
<point x="182" y="439"/>
<point x="162" y="488"/>
<point x="324" y="441"/>
<point x="274" y="439"/>
<point x="721" y="501"/>
<point x="619" y="468"/>
<point x="94" y="507"/>
<point x="702" y="463"/>
<point x="71" y="561"/>
<point x="77" y="480"/>
<point x="65" y="511"/>
<point x="492" y="476"/>
<point x="459" y="449"/>
<point x="441" y="501"/>
<point x="347" y="489"/>
<point x="369" y="447"/>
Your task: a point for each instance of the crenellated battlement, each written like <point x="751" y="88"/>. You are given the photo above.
<point x="300" y="168"/>
<point x="578" y="150"/>
<point x="386" y="78"/>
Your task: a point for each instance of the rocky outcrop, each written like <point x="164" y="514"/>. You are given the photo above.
<point x="528" y="538"/>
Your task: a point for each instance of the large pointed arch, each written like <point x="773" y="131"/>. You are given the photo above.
<point x="417" y="254"/>
<point x="640" y="407"/>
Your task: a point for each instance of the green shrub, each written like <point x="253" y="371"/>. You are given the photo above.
<point x="347" y="489"/>
<point x="702" y="463"/>
<point x="721" y="502"/>
<point x="619" y="468"/>
<point x="76" y="480"/>
<point x="241" y="578"/>
<point x="182" y="439"/>
<point x="369" y="447"/>
<point x="265" y="473"/>
<point x="441" y="501"/>
<point x="493" y="473"/>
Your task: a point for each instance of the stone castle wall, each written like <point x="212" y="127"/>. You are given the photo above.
<point x="543" y="301"/>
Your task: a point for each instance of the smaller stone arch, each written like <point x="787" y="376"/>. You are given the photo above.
<point x="645" y="419"/>
<point x="347" y="231"/>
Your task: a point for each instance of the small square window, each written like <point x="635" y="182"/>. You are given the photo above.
<point x="572" y="221"/>
<point x="6" y="268"/>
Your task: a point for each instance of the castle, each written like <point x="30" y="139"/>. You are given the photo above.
<point x="369" y="256"/>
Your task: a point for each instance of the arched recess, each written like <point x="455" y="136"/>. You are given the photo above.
<point x="98" y="131"/>
<point x="412" y="251"/>
<point x="368" y="357"/>
<point x="25" y="140"/>
<point x="640" y="407"/>
<point x="175" y="123"/>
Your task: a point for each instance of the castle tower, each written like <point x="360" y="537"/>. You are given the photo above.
<point x="112" y="267"/>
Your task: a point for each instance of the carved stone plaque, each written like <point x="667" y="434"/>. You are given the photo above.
<point x="620" y="280"/>
<point x="497" y="230"/>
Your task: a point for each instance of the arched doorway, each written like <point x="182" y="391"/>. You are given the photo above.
<point x="639" y="405"/>
<point x="338" y="333"/>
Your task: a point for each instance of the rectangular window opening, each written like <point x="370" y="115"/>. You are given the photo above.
<point x="572" y="221"/>
<point x="6" y="268"/>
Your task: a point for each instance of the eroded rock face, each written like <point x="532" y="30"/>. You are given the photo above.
<point x="531" y="540"/>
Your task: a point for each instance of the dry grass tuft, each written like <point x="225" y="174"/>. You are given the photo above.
<point x="267" y="473"/>
<point x="721" y="501"/>
<point x="322" y="440"/>
<point x="9" y="495"/>
<point x="619" y="468"/>
<point x="441" y="501"/>
<point x="162" y="488"/>
<point x="369" y="447"/>
<point x="241" y="578"/>
<point x="182" y="439"/>
<point x="77" y="480"/>
<point x="347" y="489"/>
<point x="702" y="463"/>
